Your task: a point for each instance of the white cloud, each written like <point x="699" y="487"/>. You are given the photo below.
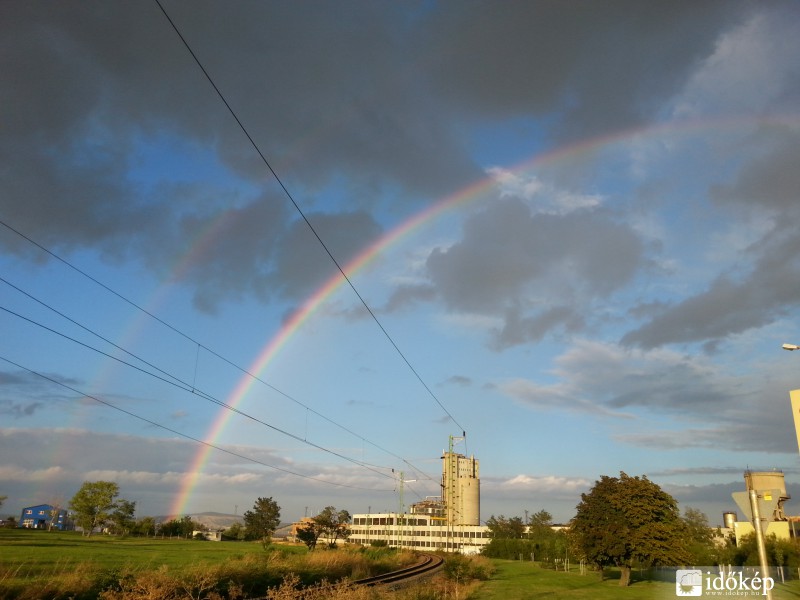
<point x="12" y="474"/>
<point x="541" y="197"/>
<point x="547" y="483"/>
<point x="749" y="69"/>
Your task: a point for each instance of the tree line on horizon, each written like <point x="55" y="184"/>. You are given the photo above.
<point x="97" y="506"/>
<point x="623" y="522"/>
<point x="630" y="523"/>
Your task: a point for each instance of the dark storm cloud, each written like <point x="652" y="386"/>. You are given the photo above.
<point x="601" y="66"/>
<point x="518" y="329"/>
<point x="319" y="91"/>
<point x="713" y="408"/>
<point x="69" y="81"/>
<point x="733" y="303"/>
<point x="772" y="179"/>
<point x="344" y="234"/>
<point x="376" y="97"/>
<point x="407" y="294"/>
<point x="332" y="88"/>
<point x="724" y="309"/>
<point x="259" y="249"/>
<point x="510" y="262"/>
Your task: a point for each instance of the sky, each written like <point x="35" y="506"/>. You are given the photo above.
<point x="569" y="232"/>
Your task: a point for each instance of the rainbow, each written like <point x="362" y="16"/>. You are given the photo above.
<point x="435" y="210"/>
<point x="305" y="312"/>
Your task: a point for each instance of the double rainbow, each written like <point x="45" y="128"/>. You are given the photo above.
<point x="460" y="198"/>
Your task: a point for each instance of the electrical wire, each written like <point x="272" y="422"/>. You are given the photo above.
<point x="303" y="215"/>
<point x="181" y="334"/>
<point x="176" y="432"/>
<point x="193" y="390"/>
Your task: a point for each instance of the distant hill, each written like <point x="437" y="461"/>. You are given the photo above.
<point x="212" y="520"/>
<point x="215" y="520"/>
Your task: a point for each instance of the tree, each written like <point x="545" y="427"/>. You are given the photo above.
<point x="625" y="520"/>
<point x="145" y="526"/>
<point x="263" y="520"/>
<point x="309" y="533"/>
<point x="503" y="528"/>
<point x="2" y="499"/>
<point x="56" y="506"/>
<point x="329" y="523"/>
<point x="121" y="518"/>
<point x="93" y="503"/>
<point x="333" y="524"/>
<point x="541" y="519"/>
<point x="235" y="532"/>
<point x="699" y="536"/>
<point x="182" y="527"/>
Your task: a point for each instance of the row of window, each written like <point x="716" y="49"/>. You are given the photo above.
<point x="425" y="533"/>
<point x="414" y="543"/>
<point x="45" y="513"/>
<point x="389" y="521"/>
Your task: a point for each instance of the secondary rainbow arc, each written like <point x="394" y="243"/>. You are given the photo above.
<point x="311" y="305"/>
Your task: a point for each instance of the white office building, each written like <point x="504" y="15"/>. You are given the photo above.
<point x="450" y="522"/>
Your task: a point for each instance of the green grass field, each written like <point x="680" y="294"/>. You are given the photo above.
<point x="515" y="580"/>
<point x="37" y="552"/>
<point x="40" y="564"/>
<point x="31" y="557"/>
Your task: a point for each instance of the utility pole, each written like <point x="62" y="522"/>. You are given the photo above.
<point x="401" y="515"/>
<point x="762" y="551"/>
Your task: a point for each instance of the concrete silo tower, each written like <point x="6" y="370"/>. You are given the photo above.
<point x="765" y="481"/>
<point x="461" y="487"/>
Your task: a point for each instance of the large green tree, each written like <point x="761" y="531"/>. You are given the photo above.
<point x="93" y="503"/>
<point x="626" y="520"/>
<point x="263" y="520"/>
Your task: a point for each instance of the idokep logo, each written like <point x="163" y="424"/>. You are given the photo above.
<point x="711" y="582"/>
<point x="688" y="582"/>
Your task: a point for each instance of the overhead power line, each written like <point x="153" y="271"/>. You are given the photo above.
<point x="181" y="334"/>
<point x="304" y="217"/>
<point x="179" y="433"/>
<point x="176" y="382"/>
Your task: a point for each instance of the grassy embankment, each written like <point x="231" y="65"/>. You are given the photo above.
<point x="35" y="565"/>
<point x="515" y="580"/>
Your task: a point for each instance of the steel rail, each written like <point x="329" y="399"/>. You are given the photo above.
<point x="428" y="565"/>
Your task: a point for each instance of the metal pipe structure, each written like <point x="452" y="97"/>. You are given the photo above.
<point x="762" y="549"/>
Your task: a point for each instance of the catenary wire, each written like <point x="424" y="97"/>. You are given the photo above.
<point x="304" y="217"/>
<point x="192" y="340"/>
<point x="176" y="432"/>
<point x="193" y="390"/>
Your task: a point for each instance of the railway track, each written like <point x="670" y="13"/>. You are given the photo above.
<point x="428" y="565"/>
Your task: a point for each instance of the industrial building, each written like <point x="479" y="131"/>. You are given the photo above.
<point x="771" y="487"/>
<point x="450" y="522"/>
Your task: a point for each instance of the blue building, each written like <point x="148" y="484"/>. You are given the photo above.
<point x="42" y="516"/>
